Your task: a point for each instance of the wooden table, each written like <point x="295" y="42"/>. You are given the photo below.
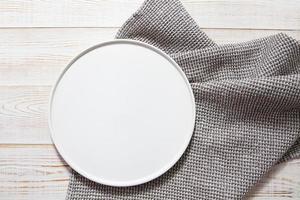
<point x="37" y="40"/>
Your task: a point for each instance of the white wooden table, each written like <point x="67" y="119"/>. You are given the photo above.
<point x="39" y="37"/>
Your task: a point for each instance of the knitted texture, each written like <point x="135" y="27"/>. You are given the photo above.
<point x="248" y="109"/>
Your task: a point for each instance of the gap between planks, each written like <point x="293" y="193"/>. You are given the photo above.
<point x="263" y="14"/>
<point x="118" y="27"/>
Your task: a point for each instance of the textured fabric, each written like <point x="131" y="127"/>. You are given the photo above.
<point x="247" y="101"/>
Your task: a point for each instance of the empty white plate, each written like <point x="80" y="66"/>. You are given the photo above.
<point x="122" y="113"/>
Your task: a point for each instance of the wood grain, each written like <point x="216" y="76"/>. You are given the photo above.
<point x="37" y="172"/>
<point x="282" y="182"/>
<point x="263" y="14"/>
<point x="23" y="115"/>
<point x="36" y="56"/>
<point x="32" y="172"/>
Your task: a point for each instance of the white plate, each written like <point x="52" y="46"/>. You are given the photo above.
<point x="122" y="113"/>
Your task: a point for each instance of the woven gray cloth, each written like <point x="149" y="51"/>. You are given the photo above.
<point x="248" y="109"/>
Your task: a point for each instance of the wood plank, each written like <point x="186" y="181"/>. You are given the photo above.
<point x="23" y="114"/>
<point x="32" y="172"/>
<point x="29" y="172"/>
<point x="264" y="14"/>
<point x="35" y="56"/>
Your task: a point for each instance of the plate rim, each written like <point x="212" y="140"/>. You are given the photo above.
<point x="74" y="166"/>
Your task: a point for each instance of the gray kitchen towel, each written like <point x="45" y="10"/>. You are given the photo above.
<point x="248" y="109"/>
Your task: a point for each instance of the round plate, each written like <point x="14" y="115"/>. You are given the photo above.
<point x="122" y="113"/>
